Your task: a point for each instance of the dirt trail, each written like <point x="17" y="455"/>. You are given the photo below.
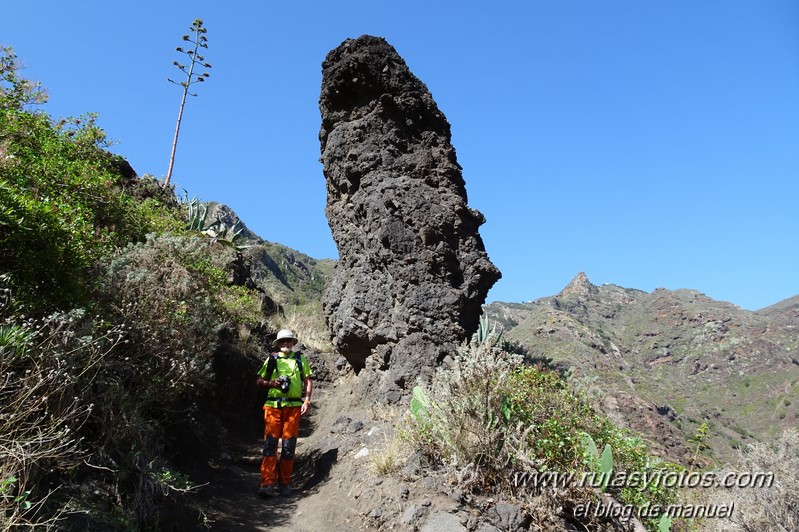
<point x="321" y="498"/>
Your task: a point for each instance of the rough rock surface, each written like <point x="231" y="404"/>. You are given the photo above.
<point x="413" y="271"/>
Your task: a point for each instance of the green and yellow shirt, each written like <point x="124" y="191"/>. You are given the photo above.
<point x="296" y="366"/>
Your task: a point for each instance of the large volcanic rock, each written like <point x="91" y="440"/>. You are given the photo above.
<point x="412" y="272"/>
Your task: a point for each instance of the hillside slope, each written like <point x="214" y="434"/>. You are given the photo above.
<point x="669" y="360"/>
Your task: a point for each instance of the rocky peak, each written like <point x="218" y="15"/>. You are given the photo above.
<point x="219" y="212"/>
<point x="579" y="286"/>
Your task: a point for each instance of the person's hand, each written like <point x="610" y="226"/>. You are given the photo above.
<point x="305" y="407"/>
<point x="265" y="383"/>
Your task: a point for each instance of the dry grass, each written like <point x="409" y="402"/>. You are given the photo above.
<point x="773" y="508"/>
<point x="44" y="401"/>
<point x="308" y="323"/>
<point x="391" y="456"/>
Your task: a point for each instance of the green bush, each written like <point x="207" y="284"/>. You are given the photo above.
<point x="78" y="387"/>
<point x="64" y="207"/>
<point x="63" y="200"/>
<point x="490" y="418"/>
<point x="95" y="397"/>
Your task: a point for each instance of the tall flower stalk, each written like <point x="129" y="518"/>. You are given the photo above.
<point x="196" y="61"/>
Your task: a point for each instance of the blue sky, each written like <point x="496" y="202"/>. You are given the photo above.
<point x="647" y="143"/>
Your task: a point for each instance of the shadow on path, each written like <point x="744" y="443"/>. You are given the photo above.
<point x="229" y="501"/>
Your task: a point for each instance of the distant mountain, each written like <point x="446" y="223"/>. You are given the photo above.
<point x="668" y="360"/>
<point x="288" y="276"/>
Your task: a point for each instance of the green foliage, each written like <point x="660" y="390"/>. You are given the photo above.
<point x="602" y="464"/>
<point x="63" y="203"/>
<point x="88" y="394"/>
<point x="173" y="480"/>
<point x="241" y="304"/>
<point x="197" y="213"/>
<point x="7" y="486"/>
<point x="15" y="340"/>
<point x="420" y="404"/>
<point x="606" y="464"/>
<point x="486" y="331"/>
<point x="16" y="93"/>
<point x="215" y="230"/>
<point x="699" y="442"/>
<point x="219" y="233"/>
<point x="173" y="291"/>
<point x="72" y="378"/>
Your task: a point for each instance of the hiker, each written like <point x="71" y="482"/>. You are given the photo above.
<point x="287" y="376"/>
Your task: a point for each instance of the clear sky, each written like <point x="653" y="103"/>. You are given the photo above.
<point x="647" y="143"/>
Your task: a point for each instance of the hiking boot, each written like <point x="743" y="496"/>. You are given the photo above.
<point x="285" y="490"/>
<point x="266" y="491"/>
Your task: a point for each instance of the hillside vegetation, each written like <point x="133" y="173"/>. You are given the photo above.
<point x="129" y="328"/>
<point x="668" y="361"/>
<point x="132" y="322"/>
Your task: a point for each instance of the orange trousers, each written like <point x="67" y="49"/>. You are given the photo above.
<point x="279" y="423"/>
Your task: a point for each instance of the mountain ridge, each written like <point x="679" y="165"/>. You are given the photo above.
<point x="689" y="358"/>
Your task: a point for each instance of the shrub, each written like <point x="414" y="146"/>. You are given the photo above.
<point x="63" y="200"/>
<point x="768" y="507"/>
<point x="16" y="92"/>
<point x="66" y="413"/>
<point x="173" y="295"/>
<point x="48" y="368"/>
<point x="490" y="418"/>
<point x="95" y="399"/>
<point x="172" y="291"/>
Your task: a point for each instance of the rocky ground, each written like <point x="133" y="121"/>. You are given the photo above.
<point x="349" y="476"/>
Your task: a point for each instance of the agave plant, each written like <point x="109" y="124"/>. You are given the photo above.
<point x="488" y="330"/>
<point x="197" y="214"/>
<point x="217" y="231"/>
<point x="600" y="463"/>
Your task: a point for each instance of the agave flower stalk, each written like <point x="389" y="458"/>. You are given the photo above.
<point x="198" y="40"/>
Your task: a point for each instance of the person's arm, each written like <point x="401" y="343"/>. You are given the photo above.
<point x="267" y="370"/>
<point x="307" y="390"/>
